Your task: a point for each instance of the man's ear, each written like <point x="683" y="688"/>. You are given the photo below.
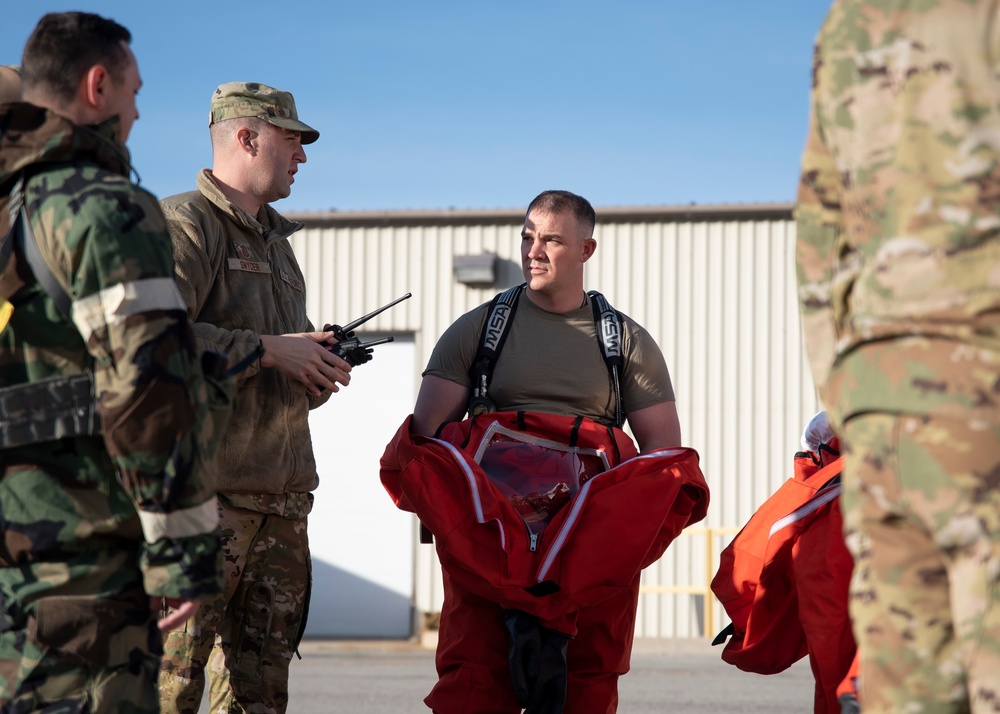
<point x="589" y="246"/>
<point x="93" y="88"/>
<point x="245" y="140"/>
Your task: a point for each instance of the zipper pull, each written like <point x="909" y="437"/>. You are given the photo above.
<point x="534" y="542"/>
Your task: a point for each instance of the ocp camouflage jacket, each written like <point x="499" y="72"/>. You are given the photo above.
<point x="240" y="280"/>
<point x="898" y="211"/>
<point x="150" y="473"/>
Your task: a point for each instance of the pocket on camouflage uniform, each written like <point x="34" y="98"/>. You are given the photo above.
<point x="255" y="629"/>
<point x="99" y="631"/>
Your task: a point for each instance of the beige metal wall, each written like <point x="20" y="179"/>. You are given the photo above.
<point x="715" y="288"/>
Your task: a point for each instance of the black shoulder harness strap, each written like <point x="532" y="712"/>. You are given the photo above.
<point x="21" y="233"/>
<point x="499" y="318"/>
<point x="608" y="323"/>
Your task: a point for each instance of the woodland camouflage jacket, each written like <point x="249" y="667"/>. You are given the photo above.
<point x="150" y="475"/>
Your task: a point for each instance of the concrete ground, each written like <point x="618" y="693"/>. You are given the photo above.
<point x="676" y="676"/>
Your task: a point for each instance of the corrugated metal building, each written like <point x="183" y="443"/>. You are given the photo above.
<point x="714" y="285"/>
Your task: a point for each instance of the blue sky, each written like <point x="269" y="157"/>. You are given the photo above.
<point x="430" y="104"/>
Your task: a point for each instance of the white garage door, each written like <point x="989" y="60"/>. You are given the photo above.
<point x="362" y="545"/>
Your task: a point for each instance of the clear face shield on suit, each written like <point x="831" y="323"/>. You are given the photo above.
<point x="538" y="476"/>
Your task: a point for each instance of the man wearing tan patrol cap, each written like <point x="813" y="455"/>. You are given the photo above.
<point x="245" y="295"/>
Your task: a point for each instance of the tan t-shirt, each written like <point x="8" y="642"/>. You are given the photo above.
<point x="552" y="363"/>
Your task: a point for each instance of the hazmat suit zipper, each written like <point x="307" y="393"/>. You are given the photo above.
<point x="574" y="514"/>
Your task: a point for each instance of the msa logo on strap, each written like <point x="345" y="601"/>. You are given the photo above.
<point x="610" y="328"/>
<point x="496" y="322"/>
<point x="495" y="325"/>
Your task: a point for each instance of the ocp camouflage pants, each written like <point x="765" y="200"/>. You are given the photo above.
<point x="921" y="506"/>
<point x="247" y="636"/>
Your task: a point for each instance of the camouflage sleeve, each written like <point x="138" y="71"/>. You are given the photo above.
<point x="153" y="399"/>
<point x="818" y="228"/>
<point x="196" y="259"/>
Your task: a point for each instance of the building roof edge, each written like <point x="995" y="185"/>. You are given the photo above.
<point x="507" y="216"/>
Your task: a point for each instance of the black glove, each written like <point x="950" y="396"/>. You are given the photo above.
<point x="354" y="355"/>
<point x="338" y="333"/>
<point x="537" y="658"/>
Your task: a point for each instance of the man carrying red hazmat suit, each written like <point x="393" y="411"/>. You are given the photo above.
<point x="542" y="510"/>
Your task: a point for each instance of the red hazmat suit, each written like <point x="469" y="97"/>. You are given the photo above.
<point x="560" y="529"/>
<point x="784" y="583"/>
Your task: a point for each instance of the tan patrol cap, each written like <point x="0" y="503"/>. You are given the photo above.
<point x="10" y="83"/>
<point x="250" y="99"/>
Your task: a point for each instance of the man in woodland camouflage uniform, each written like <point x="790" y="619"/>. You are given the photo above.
<point x="899" y="281"/>
<point x="105" y="510"/>
<point x="246" y="295"/>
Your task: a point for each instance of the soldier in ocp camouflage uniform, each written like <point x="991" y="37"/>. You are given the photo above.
<point x="899" y="281"/>
<point x="246" y="295"/>
<point x="101" y="518"/>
